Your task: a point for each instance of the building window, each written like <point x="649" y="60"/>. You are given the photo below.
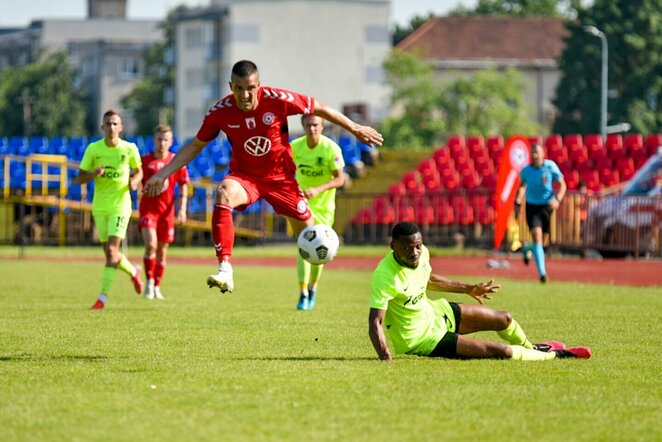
<point x="245" y="33"/>
<point x="128" y="67"/>
<point x="87" y="67"/>
<point x="375" y="74"/>
<point x="193" y="38"/>
<point x="377" y="34"/>
<point x="194" y="77"/>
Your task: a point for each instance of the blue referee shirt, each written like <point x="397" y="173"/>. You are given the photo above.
<point x="539" y="180"/>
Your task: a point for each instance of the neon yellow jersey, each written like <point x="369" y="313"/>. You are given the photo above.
<point x="315" y="166"/>
<point x="413" y="322"/>
<point x="111" y="190"/>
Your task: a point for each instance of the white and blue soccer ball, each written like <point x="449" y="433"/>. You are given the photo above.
<point x="318" y="244"/>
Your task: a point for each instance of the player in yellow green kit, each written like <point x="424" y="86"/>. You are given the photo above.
<point x="436" y="328"/>
<point x="319" y="165"/>
<point x="114" y="165"/>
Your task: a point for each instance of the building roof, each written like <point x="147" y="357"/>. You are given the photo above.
<point x="488" y="38"/>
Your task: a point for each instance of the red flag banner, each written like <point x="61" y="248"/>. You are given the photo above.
<point x="514" y="158"/>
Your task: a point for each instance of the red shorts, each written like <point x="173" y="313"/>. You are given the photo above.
<point x="163" y="224"/>
<point x="282" y="192"/>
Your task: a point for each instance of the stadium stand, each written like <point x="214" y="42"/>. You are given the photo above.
<point x="455" y="185"/>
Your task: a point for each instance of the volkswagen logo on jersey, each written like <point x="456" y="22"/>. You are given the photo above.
<point x="268" y="118"/>
<point x="257" y="146"/>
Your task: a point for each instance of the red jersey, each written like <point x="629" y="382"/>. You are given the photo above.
<point x="259" y="138"/>
<point x="164" y="202"/>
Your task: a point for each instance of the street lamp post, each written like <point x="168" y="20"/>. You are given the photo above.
<point x="603" y="96"/>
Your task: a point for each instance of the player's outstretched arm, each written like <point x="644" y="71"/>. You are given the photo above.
<point x="365" y="134"/>
<point x="477" y="291"/>
<point x="154" y="185"/>
<point x="376" y="332"/>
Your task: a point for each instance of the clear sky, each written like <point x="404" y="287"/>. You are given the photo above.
<point x="21" y="13"/>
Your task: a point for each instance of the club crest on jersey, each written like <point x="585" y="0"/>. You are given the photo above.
<point x="257" y="146"/>
<point x="268" y="118"/>
<point x="250" y="123"/>
<point x="302" y="206"/>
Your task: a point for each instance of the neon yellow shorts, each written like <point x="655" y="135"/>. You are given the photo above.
<point x="111" y="225"/>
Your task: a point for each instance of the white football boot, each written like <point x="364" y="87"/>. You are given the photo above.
<point x="157" y="293"/>
<point x="223" y="279"/>
<point x="149" y="289"/>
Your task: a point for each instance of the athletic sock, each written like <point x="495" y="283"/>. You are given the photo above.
<point x="150" y="265"/>
<point x="303" y="273"/>
<point x="107" y="278"/>
<point x="103" y="298"/>
<point x="315" y="274"/>
<point x="514" y="335"/>
<point x="539" y="256"/>
<point x="126" y="266"/>
<point x="524" y="354"/>
<point x="222" y="229"/>
<point x="158" y="272"/>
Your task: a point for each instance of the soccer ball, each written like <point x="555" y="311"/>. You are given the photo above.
<point x="318" y="244"/>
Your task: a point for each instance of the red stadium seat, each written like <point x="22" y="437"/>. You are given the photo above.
<point x="489" y="181"/>
<point x="592" y="180"/>
<point x="553" y="141"/>
<point x="427" y="166"/>
<point x="652" y="143"/>
<point x="442" y="152"/>
<point x="634" y="143"/>
<point x="494" y="143"/>
<point x="573" y="142"/>
<point x="455" y="140"/>
<point x="363" y="216"/>
<point x="558" y="154"/>
<point x="614" y="144"/>
<point x="470" y="180"/>
<point x="609" y="177"/>
<point x="535" y="139"/>
<point x="571" y="178"/>
<point x="625" y="166"/>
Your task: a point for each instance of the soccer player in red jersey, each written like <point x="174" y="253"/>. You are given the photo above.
<point x="254" y="118"/>
<point x="157" y="212"/>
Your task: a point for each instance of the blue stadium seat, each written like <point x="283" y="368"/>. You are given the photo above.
<point x="350" y="151"/>
<point x="149" y="144"/>
<point x="138" y="141"/>
<point x="18" y="144"/>
<point x="219" y="174"/>
<point x="4" y="146"/>
<point x="77" y="147"/>
<point x="39" y="144"/>
<point x="58" y="145"/>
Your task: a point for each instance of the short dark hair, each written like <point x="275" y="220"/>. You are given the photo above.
<point x="162" y="128"/>
<point x="109" y="113"/>
<point x="534" y="145"/>
<point x="244" y="69"/>
<point x="404" y="228"/>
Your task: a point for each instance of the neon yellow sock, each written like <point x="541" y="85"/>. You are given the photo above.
<point x="315" y="275"/>
<point x="525" y="354"/>
<point x="303" y="273"/>
<point x="107" y="278"/>
<point x="514" y="335"/>
<point x="126" y="266"/>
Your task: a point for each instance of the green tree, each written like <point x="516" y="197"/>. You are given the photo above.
<point x="148" y="101"/>
<point x="401" y="32"/>
<point x="522" y="8"/>
<point x="634" y="36"/>
<point x="426" y="110"/>
<point x="39" y="99"/>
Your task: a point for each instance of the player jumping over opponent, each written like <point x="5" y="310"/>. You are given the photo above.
<point x="254" y="118"/>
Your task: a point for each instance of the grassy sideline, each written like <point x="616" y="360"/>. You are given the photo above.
<point x="248" y="366"/>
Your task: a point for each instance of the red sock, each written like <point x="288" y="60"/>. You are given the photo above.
<point x="158" y="272"/>
<point x="150" y="265"/>
<point x="222" y="230"/>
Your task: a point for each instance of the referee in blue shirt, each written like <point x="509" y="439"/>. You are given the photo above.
<point x="537" y="181"/>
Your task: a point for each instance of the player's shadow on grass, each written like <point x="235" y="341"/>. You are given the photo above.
<point x="33" y="357"/>
<point x="304" y="358"/>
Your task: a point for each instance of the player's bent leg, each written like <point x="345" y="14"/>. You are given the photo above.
<point x="482" y="318"/>
<point x="479" y="349"/>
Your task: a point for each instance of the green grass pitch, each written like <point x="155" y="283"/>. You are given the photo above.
<point x="248" y="366"/>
